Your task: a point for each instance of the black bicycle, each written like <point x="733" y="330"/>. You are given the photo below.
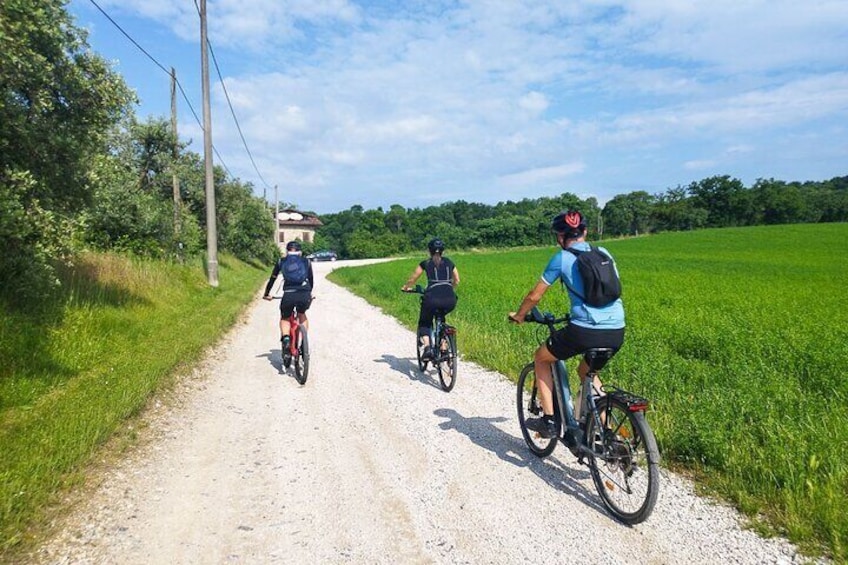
<point x="611" y="434"/>
<point x="442" y="347"/>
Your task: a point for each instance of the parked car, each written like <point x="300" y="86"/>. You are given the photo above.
<point x="323" y="256"/>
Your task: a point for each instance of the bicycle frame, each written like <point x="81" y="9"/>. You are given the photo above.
<point x="294" y="328"/>
<point x="586" y="395"/>
<point x="612" y="436"/>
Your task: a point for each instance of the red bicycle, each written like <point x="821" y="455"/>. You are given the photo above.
<point x="298" y="353"/>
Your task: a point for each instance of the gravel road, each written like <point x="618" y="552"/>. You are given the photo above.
<point x="369" y="462"/>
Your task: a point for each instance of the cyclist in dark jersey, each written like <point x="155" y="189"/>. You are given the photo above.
<point x="295" y="293"/>
<point x="442" y="279"/>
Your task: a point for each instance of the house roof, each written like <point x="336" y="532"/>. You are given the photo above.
<point x="294" y="218"/>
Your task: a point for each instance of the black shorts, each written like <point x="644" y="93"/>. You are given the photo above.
<point x="296" y="299"/>
<point x="441" y="298"/>
<point x="573" y="340"/>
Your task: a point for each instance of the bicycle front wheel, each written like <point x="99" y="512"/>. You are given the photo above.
<point x="301" y="358"/>
<point x="447" y="361"/>
<point x="530" y="406"/>
<point x="625" y="461"/>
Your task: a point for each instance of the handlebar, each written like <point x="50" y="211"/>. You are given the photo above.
<point x="417" y="290"/>
<point x="545" y="318"/>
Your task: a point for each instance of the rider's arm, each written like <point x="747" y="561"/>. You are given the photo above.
<point x="455" y="277"/>
<point x="272" y="280"/>
<point x="413" y="277"/>
<point x="533" y="298"/>
<point x="549" y="276"/>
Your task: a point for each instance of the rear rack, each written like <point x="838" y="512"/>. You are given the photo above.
<point x="633" y="402"/>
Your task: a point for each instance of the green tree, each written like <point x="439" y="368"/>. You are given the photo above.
<point x="57" y="101"/>
<point x="724" y="199"/>
<point x="628" y="214"/>
<point x="674" y="210"/>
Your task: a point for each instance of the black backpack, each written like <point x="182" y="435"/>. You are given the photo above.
<point x="601" y="284"/>
<point x="295" y="270"/>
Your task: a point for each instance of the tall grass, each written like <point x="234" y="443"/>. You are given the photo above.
<point x="90" y="358"/>
<point x="737" y="335"/>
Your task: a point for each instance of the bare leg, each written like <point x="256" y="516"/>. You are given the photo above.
<point x="544" y="378"/>
<point x="583" y="370"/>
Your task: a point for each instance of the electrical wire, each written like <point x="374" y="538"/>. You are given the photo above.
<point x="179" y="85"/>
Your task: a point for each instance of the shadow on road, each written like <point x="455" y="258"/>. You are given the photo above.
<point x="409" y="368"/>
<point x="482" y="431"/>
<point x="275" y="359"/>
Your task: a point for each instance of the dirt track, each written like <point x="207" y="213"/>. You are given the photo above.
<point x="369" y="462"/>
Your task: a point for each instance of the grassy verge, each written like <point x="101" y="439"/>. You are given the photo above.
<point x="738" y="337"/>
<point x="119" y="330"/>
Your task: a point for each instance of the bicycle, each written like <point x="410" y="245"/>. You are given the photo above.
<point x="444" y="354"/>
<point x="298" y="353"/>
<point x="613" y="436"/>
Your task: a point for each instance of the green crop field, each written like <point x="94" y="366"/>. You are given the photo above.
<point x="738" y="336"/>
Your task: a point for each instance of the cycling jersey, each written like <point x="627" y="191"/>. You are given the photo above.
<point x="563" y="266"/>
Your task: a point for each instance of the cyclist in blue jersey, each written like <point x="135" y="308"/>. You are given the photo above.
<point x="588" y="326"/>
<point x="442" y="280"/>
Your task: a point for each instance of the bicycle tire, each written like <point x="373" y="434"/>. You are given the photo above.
<point x="301" y="358"/>
<point x="529" y="406"/>
<point x="625" y="464"/>
<point x="447" y="363"/>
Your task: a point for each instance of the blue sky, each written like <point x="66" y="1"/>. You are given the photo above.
<point x="347" y="102"/>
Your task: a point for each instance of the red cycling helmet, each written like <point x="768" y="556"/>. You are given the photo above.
<point x="571" y="223"/>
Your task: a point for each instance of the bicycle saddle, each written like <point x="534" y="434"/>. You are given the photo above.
<point x="597" y="357"/>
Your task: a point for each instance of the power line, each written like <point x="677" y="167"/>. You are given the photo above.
<point x="166" y="71"/>
<point x="229" y="103"/>
<point x="233" y="112"/>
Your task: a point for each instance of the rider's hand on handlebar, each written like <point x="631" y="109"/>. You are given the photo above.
<point x="266" y="297"/>
<point x="514" y="319"/>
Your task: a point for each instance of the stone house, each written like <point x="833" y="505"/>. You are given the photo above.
<point x="292" y="224"/>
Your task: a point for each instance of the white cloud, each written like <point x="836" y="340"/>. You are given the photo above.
<point x="541" y="176"/>
<point x="362" y="97"/>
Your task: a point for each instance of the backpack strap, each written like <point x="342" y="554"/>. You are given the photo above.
<point x="576" y="253"/>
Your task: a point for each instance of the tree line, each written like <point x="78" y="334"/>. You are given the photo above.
<point x="78" y="171"/>
<point x="718" y="201"/>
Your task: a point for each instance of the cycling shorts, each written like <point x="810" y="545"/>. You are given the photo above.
<point x="573" y="340"/>
<point x="295" y="299"/>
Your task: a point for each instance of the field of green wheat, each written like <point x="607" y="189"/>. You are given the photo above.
<point x="738" y="336"/>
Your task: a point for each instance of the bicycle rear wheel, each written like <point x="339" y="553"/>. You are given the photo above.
<point x="625" y="464"/>
<point x="529" y="406"/>
<point x="301" y="358"/>
<point x="447" y="363"/>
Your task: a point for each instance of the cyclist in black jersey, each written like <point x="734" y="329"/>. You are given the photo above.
<point x="442" y="280"/>
<point x="296" y="292"/>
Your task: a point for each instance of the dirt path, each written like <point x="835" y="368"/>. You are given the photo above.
<point x="369" y="462"/>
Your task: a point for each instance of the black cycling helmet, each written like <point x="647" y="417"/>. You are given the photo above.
<point x="571" y="223"/>
<point x="293" y="246"/>
<point x="436" y="245"/>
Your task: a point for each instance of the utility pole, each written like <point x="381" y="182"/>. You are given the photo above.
<point x="177" y="202"/>
<point x="211" y="226"/>
<point x="276" y="216"/>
